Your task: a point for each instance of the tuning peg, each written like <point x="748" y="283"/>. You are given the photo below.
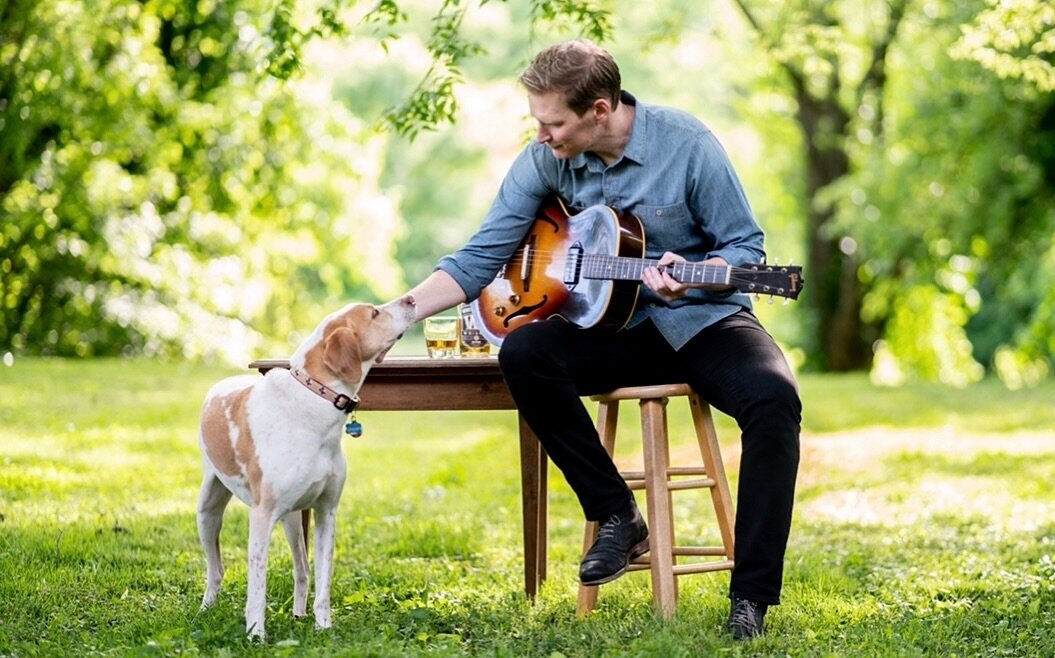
<point x="786" y="302"/>
<point x="770" y="300"/>
<point x="758" y="297"/>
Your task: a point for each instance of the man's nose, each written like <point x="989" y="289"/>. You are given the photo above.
<point x="542" y="136"/>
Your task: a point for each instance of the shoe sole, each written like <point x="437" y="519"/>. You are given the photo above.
<point x="740" y="634"/>
<point x="636" y="551"/>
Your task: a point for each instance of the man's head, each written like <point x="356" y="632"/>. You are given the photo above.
<point x="579" y="70"/>
<point x="573" y="91"/>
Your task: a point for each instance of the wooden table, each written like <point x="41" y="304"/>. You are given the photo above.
<point x="462" y="384"/>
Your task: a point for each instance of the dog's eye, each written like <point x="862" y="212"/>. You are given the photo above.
<point x="375" y="313"/>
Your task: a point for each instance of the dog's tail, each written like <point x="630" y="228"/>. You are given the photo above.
<point x="305" y="526"/>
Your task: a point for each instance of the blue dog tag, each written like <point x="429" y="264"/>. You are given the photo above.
<point x="353" y="428"/>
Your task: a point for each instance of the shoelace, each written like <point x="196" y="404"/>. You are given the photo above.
<point x="608" y="528"/>
<point x="744" y="614"/>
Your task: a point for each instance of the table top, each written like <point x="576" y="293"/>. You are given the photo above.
<point x="409" y="383"/>
<point x="408" y="365"/>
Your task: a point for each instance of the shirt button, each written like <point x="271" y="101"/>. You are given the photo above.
<point x="659" y="213"/>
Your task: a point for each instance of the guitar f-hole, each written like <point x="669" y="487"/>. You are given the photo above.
<point x="524" y="310"/>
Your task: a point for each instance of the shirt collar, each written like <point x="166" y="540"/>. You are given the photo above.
<point x="635" y="148"/>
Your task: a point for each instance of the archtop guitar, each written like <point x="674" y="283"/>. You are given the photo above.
<point x="587" y="269"/>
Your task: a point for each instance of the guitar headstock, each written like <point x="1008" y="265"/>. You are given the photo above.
<point x="764" y="279"/>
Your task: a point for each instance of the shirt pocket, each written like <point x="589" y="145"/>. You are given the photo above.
<point x="667" y="228"/>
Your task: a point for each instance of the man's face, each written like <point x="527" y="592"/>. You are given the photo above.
<point x="564" y="132"/>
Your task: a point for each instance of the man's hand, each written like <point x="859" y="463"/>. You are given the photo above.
<point x="663" y="284"/>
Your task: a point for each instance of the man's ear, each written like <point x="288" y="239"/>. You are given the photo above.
<point x="342" y="355"/>
<point x="602" y="108"/>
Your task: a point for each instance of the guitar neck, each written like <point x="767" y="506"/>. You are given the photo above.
<point x="620" y="268"/>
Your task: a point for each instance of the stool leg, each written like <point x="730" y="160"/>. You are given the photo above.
<point x="660" y="514"/>
<point x="607" y="420"/>
<point x="712" y="462"/>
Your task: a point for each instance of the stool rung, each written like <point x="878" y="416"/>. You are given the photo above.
<point x="679" y="485"/>
<point x="699" y="550"/>
<point x="637" y="484"/>
<point x="702" y="567"/>
<point x="685" y="569"/>
<point x="686" y="470"/>
<point x="687" y="551"/>
<point x="639" y="476"/>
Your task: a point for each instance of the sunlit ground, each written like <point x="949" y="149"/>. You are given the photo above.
<point x="922" y="520"/>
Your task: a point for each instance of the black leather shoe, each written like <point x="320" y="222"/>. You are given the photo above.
<point x="746" y="618"/>
<point x="623" y="537"/>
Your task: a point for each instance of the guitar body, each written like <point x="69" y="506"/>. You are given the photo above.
<point x="544" y="277"/>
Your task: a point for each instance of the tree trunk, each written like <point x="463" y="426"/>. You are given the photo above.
<point x="834" y="291"/>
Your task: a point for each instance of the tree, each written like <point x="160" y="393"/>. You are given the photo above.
<point x="162" y="194"/>
<point x="836" y="66"/>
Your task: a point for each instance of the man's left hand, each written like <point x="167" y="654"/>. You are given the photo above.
<point x="663" y="284"/>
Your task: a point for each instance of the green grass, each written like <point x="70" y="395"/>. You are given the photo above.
<point x="924" y="526"/>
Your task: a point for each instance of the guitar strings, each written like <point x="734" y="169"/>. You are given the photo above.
<point x="538" y="256"/>
<point x="561" y="257"/>
<point x="736" y="275"/>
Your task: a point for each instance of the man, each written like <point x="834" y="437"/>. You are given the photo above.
<point x="596" y="144"/>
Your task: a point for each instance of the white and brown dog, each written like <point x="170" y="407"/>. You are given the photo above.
<point x="275" y="442"/>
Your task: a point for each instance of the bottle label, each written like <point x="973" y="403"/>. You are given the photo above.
<point x="472" y="341"/>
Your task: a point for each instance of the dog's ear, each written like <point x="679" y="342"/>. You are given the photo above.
<point x="342" y="354"/>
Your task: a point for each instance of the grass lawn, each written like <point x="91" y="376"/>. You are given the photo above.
<point x="925" y="525"/>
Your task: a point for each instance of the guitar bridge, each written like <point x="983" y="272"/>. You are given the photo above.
<point x="573" y="265"/>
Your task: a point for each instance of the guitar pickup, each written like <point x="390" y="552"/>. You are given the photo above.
<point x="573" y="265"/>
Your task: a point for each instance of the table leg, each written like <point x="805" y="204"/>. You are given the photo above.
<point x="533" y="482"/>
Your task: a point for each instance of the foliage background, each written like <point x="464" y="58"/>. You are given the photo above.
<point x="206" y="179"/>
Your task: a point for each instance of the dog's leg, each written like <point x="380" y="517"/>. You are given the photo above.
<point x="291" y="523"/>
<point x="211" y="504"/>
<point x="325" y="537"/>
<point x="261" y="524"/>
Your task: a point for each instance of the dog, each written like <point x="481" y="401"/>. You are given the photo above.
<point x="275" y="443"/>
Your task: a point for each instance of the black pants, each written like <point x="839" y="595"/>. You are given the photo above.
<point x="735" y="365"/>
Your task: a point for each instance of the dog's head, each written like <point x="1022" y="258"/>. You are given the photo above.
<point x="350" y="341"/>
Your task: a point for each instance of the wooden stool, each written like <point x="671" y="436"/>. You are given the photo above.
<point x="658" y="480"/>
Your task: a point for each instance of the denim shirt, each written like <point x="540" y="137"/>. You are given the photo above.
<point x="677" y="179"/>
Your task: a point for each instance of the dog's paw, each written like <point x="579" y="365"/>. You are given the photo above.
<point x="255" y="633"/>
<point x="322" y="624"/>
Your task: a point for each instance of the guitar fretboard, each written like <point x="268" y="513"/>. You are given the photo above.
<point x="619" y="268"/>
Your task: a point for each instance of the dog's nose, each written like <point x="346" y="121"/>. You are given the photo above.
<point x="411" y="301"/>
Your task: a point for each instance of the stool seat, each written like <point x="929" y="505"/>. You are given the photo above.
<point x="658" y="481"/>
<point x="653" y="392"/>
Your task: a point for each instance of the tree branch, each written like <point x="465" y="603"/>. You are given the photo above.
<point x="876" y="75"/>
<point x="770" y="45"/>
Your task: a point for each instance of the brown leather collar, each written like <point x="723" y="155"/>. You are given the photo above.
<point x="339" y="400"/>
